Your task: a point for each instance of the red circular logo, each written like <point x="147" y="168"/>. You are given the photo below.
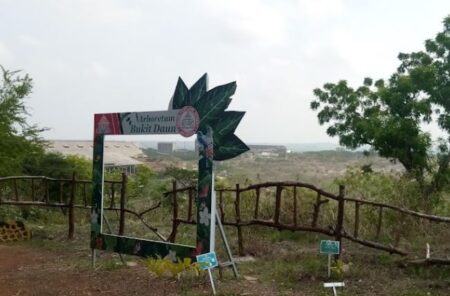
<point x="187" y="121"/>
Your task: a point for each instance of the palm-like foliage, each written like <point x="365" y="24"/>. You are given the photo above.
<point x="211" y="105"/>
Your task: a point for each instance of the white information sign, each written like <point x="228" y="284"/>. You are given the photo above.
<point x="184" y="121"/>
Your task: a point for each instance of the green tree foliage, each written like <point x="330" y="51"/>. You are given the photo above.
<point x="56" y="165"/>
<point x="379" y="187"/>
<point x="19" y="140"/>
<point x="81" y="166"/>
<point x="388" y="114"/>
<point x="184" y="178"/>
<point x="48" y="164"/>
<point x="145" y="184"/>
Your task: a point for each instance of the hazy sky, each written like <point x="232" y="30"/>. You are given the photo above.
<point x="99" y="56"/>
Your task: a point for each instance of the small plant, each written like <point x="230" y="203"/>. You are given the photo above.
<point x="338" y="269"/>
<point x="166" y="267"/>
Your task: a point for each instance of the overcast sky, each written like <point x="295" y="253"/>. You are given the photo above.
<point x="101" y="56"/>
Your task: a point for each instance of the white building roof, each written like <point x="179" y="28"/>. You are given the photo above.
<point x="116" y="153"/>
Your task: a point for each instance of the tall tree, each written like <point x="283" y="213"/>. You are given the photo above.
<point x="388" y="114"/>
<point x="18" y="139"/>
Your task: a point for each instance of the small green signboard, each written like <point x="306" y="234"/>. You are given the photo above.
<point x="329" y="247"/>
<point x="207" y="260"/>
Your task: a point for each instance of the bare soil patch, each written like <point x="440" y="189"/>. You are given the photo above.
<point x="28" y="271"/>
<point x="31" y="271"/>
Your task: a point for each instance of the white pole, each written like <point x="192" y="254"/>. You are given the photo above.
<point x="329" y="265"/>
<point x="212" y="238"/>
<point x="103" y="185"/>
<point x="212" y="281"/>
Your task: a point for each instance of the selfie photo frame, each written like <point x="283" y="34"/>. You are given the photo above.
<point x="194" y="111"/>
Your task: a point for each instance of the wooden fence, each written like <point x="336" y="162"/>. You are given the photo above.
<point x="68" y="194"/>
<point x="287" y="216"/>
<point x="293" y="206"/>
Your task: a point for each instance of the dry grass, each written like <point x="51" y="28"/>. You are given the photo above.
<point x="285" y="263"/>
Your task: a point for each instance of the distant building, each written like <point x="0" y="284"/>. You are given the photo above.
<point x="165" y="147"/>
<point x="268" y="150"/>
<point x="124" y="156"/>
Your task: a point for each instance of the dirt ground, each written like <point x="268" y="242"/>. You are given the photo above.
<point x="49" y="264"/>
<point x="30" y="271"/>
<point x="26" y="271"/>
<point x="33" y="271"/>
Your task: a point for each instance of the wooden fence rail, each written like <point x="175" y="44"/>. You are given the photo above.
<point x="342" y="207"/>
<point x="294" y="206"/>
<point x="67" y="194"/>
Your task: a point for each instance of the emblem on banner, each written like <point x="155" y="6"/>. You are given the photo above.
<point x="187" y="121"/>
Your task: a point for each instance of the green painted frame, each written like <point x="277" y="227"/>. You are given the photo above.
<point x="191" y="111"/>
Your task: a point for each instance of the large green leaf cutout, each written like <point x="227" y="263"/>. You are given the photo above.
<point x="211" y="106"/>
<point x="214" y="102"/>
<point x="228" y="147"/>
<point x="227" y="123"/>
<point x="180" y="96"/>
<point x="198" y="90"/>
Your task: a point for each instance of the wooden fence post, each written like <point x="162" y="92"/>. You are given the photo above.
<point x="276" y="217"/>
<point x="340" y="217"/>
<point x="189" y="215"/>
<point x="237" y="207"/>
<point x="113" y="193"/>
<point x="173" y="235"/>
<point x="316" y="210"/>
<point x="256" y="214"/>
<point x="295" y="206"/>
<point x="61" y="191"/>
<point x="356" y="229"/>
<point x="71" y="206"/>
<point x="84" y="195"/>
<point x="47" y="190"/>
<point x="32" y="189"/>
<point x="123" y="195"/>
<point x="380" y="221"/>
<point x="16" y="192"/>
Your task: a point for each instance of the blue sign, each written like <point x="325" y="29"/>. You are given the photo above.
<point x="329" y="247"/>
<point x="207" y="260"/>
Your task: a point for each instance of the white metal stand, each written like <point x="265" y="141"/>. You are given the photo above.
<point x="216" y="219"/>
<point x="211" y="279"/>
<point x="231" y="261"/>
<point x="212" y="234"/>
<point x="333" y="286"/>
<point x="329" y="265"/>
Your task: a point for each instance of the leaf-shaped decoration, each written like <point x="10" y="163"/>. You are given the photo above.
<point x="228" y="147"/>
<point x="180" y="96"/>
<point x="197" y="90"/>
<point x="211" y="106"/>
<point x="227" y="123"/>
<point x="214" y="102"/>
